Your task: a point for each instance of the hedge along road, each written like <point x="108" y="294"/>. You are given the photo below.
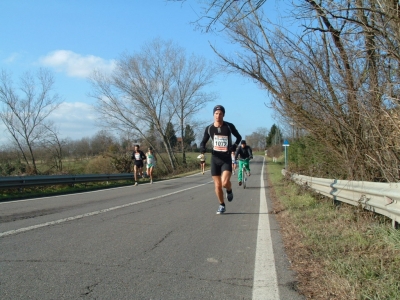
<point x="159" y="241"/>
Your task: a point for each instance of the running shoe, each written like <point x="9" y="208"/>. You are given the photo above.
<point x="136" y="183"/>
<point x="151" y="181"/>
<point x="229" y="196"/>
<point x="240" y="183"/>
<point x="221" y="210"/>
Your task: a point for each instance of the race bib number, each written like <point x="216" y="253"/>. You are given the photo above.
<point x="220" y="143"/>
<point x="137" y="156"/>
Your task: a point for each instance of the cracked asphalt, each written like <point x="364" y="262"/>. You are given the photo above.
<point x="159" y="241"/>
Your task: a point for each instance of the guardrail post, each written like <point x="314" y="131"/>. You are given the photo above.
<point x="395" y="224"/>
<point x="336" y="202"/>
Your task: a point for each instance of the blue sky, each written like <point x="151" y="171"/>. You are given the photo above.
<point x="72" y="37"/>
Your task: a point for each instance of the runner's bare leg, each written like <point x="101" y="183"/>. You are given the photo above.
<point x="218" y="188"/>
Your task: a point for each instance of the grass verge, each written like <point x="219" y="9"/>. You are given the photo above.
<point x="340" y="252"/>
<point x="52" y="190"/>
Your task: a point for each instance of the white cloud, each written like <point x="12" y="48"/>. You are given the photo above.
<point x="12" y="58"/>
<point x="76" y="65"/>
<point x="75" y="120"/>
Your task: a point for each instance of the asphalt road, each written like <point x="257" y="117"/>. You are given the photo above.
<point x="159" y="241"/>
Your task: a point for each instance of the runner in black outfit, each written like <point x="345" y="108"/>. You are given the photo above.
<point x="138" y="157"/>
<point x="221" y="163"/>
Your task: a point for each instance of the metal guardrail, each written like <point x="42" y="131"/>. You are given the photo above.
<point x="381" y="198"/>
<point x="25" y="181"/>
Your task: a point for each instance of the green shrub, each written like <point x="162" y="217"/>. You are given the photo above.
<point x="100" y="165"/>
<point x="308" y="156"/>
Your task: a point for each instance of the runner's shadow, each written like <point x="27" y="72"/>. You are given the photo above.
<point x="251" y="187"/>
<point x="226" y="213"/>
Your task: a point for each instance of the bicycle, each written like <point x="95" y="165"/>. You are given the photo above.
<point x="244" y="172"/>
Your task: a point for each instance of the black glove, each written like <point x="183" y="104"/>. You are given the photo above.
<point x="202" y="150"/>
<point x="251" y="157"/>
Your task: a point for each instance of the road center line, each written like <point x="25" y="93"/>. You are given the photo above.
<point x="98" y="212"/>
<point x="265" y="285"/>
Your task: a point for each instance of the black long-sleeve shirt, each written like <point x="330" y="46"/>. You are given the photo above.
<point x="244" y="152"/>
<point x="221" y="138"/>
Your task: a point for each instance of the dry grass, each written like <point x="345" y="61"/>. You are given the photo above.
<point x="337" y="252"/>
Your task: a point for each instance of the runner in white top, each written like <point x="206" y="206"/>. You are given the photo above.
<point x="202" y="158"/>
<point x="233" y="162"/>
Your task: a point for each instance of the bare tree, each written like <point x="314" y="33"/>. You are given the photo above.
<point x="135" y="95"/>
<point x="257" y="139"/>
<point x="138" y="94"/>
<point x="213" y="11"/>
<point x="338" y="78"/>
<point x="54" y="148"/>
<point x="25" y="109"/>
<point x="101" y="142"/>
<point x="81" y="148"/>
<point x="190" y="77"/>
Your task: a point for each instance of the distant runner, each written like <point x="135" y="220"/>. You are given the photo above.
<point x="202" y="158"/>
<point x="138" y="157"/>
<point x="150" y="163"/>
<point x="234" y="162"/>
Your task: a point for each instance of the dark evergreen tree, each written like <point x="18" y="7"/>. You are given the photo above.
<point x="170" y="134"/>
<point x="274" y="137"/>
<point x="189" y="137"/>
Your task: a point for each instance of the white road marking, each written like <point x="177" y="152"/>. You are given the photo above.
<point x="265" y="285"/>
<point x="65" y="195"/>
<point x="96" y="191"/>
<point x="98" y="212"/>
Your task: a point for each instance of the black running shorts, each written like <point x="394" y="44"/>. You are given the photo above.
<point x="220" y="164"/>
<point x="139" y="163"/>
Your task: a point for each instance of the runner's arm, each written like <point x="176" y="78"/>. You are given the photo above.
<point x="204" y="141"/>
<point x="237" y="135"/>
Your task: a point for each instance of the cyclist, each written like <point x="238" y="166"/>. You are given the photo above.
<point x="138" y="157"/>
<point x="221" y="163"/>
<point x="245" y="153"/>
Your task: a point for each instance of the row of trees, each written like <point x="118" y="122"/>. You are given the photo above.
<point x="50" y="159"/>
<point x="148" y="94"/>
<point x="13" y="160"/>
<point x="331" y="68"/>
<point x="25" y="109"/>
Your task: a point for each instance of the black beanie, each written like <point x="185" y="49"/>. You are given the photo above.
<point x="219" y="107"/>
